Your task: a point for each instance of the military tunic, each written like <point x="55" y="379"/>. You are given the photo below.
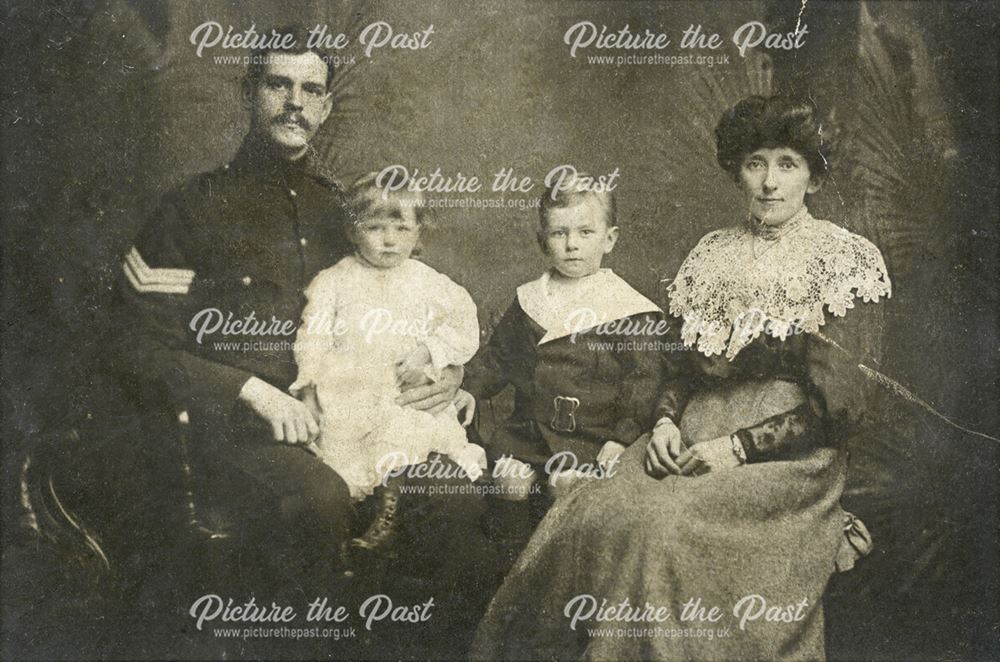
<point x="229" y="254"/>
<point x="241" y="243"/>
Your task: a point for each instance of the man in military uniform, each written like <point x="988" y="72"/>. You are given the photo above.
<point x="210" y="297"/>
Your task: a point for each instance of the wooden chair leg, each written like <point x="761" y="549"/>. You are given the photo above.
<point x="45" y="516"/>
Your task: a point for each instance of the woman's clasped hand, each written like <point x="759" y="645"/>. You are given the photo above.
<point x="667" y="454"/>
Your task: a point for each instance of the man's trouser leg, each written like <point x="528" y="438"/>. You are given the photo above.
<point x="295" y="513"/>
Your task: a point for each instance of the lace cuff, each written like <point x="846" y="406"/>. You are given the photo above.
<point x="780" y="436"/>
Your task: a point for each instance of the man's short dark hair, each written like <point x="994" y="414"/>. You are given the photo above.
<point x="258" y="56"/>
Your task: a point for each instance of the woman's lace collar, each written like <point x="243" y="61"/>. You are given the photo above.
<point x="738" y="283"/>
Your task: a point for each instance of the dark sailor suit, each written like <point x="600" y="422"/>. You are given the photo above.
<point x="583" y="373"/>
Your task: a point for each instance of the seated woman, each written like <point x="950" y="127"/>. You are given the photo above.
<point x="716" y="538"/>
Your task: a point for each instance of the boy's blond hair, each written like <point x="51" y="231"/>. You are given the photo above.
<point x="574" y="191"/>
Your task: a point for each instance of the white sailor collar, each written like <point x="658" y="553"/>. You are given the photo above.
<point x="597" y="299"/>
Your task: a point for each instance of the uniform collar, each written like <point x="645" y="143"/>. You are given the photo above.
<point x="256" y="159"/>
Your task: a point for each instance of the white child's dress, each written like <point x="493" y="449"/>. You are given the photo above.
<point x="358" y="323"/>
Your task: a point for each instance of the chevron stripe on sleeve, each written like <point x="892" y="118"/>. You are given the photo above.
<point x="146" y="280"/>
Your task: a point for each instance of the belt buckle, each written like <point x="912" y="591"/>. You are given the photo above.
<point x="563" y="410"/>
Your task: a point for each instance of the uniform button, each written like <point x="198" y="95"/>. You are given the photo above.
<point x="303" y="241"/>
<point x="247" y="280"/>
<point x="292" y="192"/>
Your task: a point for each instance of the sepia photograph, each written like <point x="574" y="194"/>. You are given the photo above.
<point x="500" y="330"/>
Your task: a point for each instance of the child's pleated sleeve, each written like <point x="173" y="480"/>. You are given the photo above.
<point x="454" y="337"/>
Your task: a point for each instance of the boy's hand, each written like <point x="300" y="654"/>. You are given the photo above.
<point x="608" y="455"/>
<point x="513" y="479"/>
<point x="412" y="370"/>
<point x="465" y="402"/>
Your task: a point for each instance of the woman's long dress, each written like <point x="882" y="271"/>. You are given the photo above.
<point x="759" y="542"/>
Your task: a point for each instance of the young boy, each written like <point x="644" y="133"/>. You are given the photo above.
<point x="578" y="345"/>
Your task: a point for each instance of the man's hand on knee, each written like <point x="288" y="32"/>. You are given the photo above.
<point x="435" y="396"/>
<point x="291" y="421"/>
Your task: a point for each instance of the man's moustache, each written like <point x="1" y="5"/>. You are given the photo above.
<point x="301" y="121"/>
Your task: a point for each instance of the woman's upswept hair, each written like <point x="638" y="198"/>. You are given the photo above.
<point x="779" y="121"/>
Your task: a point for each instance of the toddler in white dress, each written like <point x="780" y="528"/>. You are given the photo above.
<point x="376" y="321"/>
